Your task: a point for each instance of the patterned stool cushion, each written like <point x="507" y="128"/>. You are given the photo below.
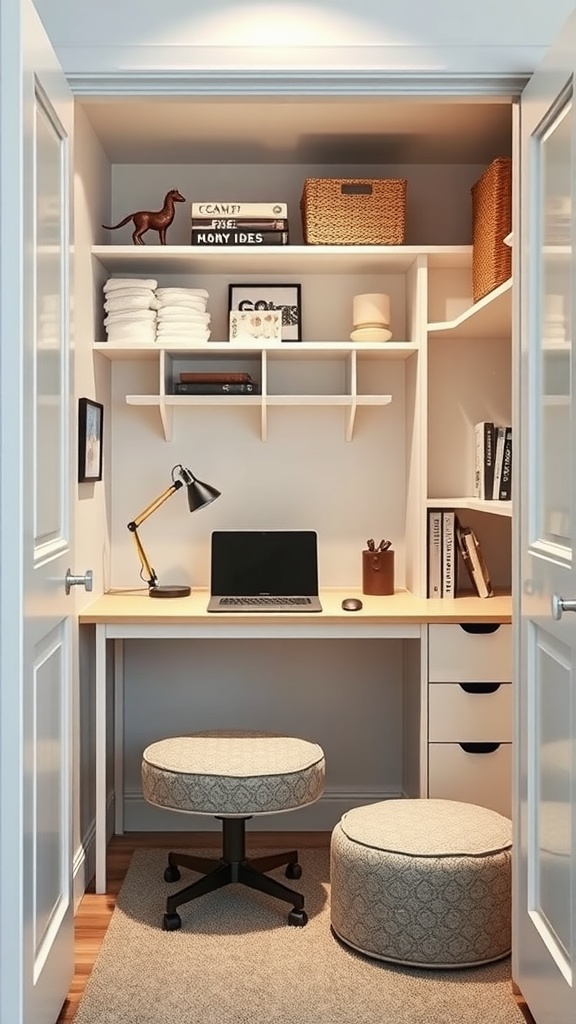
<point x="423" y="882"/>
<point x="232" y="773"/>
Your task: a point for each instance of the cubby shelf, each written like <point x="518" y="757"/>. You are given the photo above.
<point x="261" y="356"/>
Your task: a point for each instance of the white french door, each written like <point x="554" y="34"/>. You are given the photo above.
<point x="36" y="473"/>
<point x="544" y="942"/>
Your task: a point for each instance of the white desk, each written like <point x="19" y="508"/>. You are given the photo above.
<point x="129" y="615"/>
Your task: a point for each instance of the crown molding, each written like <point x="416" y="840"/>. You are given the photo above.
<point x="365" y="82"/>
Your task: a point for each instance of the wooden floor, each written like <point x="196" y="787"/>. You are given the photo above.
<point x="94" y="912"/>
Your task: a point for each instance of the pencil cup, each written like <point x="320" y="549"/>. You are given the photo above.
<point x="378" y="572"/>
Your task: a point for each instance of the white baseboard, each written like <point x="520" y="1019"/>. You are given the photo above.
<point x="83" y="865"/>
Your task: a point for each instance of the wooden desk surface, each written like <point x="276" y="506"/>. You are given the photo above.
<point x="137" y="608"/>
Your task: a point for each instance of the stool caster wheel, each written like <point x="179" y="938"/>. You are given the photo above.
<point x="293" y="871"/>
<point x="171" y="922"/>
<point x="171" y="874"/>
<point x="298" y="918"/>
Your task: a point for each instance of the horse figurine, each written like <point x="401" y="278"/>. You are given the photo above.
<point x="155" y="220"/>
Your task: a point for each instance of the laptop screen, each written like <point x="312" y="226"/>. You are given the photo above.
<point x="246" y="563"/>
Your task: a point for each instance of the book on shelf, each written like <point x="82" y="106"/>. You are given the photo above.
<point x="201" y="236"/>
<point x="434" y="552"/>
<point x="500" y="436"/>
<point x="449" y="554"/>
<point x="221" y="208"/>
<point x="215" y="389"/>
<point x="240" y="223"/>
<point x="484" y="459"/>
<point x="506" y="476"/>
<point x="473" y="558"/>
<point x="215" y="377"/>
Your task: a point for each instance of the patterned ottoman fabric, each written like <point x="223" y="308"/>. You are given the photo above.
<point x="232" y="773"/>
<point x="425" y="883"/>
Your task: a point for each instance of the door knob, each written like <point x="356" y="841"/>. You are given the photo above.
<point x="78" y="581"/>
<point x="559" y="605"/>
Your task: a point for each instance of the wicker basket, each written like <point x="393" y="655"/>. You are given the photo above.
<point x="354" y="211"/>
<point x="491" y="222"/>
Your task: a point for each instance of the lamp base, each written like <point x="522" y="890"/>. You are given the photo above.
<point x="170" y="591"/>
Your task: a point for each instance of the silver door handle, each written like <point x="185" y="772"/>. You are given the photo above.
<point x="78" y="581"/>
<point x="559" y="605"/>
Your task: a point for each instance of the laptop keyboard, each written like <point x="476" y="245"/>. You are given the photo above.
<point x="256" y="602"/>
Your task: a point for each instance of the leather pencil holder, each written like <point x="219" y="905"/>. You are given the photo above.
<point x="378" y="572"/>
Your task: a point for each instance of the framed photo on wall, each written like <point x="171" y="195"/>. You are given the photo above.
<point x="90" y="423"/>
<point x="286" y="298"/>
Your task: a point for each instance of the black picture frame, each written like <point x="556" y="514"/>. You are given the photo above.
<point x="90" y="433"/>
<point x="286" y="297"/>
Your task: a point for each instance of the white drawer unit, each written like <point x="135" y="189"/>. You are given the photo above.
<point x="476" y="773"/>
<point x="470" y="714"/>
<point x="470" y="653"/>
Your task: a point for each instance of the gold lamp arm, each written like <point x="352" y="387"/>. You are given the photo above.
<point x="150" y="577"/>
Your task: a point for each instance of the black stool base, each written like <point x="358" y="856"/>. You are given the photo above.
<point x="233" y="866"/>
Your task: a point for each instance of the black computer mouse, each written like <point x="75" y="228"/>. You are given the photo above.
<point x="351" y="604"/>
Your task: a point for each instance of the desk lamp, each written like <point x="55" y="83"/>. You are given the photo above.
<point x="199" y="495"/>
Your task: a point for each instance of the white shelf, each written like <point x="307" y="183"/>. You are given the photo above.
<point x="293" y="259"/>
<point x="167" y="403"/>
<point x="284" y="350"/>
<point x="495" y="508"/>
<point x="488" y="318"/>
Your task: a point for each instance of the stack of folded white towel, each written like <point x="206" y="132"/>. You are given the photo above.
<point x="182" y="316"/>
<point x="130" y="305"/>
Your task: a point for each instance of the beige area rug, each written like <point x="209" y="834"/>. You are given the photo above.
<point x="236" y="961"/>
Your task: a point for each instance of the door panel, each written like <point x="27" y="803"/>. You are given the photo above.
<point x="36" y="616"/>
<point x="544" y="938"/>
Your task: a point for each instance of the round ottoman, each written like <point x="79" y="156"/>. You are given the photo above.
<point x="425" y="883"/>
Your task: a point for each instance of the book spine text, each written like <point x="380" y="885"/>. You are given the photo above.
<point x="252" y="238"/>
<point x="224" y="209"/>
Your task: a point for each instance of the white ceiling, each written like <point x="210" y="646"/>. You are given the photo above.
<point x="303" y="129"/>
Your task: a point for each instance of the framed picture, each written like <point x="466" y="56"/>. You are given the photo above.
<point x="90" y="422"/>
<point x="249" y="298"/>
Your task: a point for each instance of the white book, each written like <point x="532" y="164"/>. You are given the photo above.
<point x="498" y="460"/>
<point x="434" y="553"/>
<point x="221" y="208"/>
<point x="449" y="561"/>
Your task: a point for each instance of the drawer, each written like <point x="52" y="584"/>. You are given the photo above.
<point x="469" y="711"/>
<point x="474" y="778"/>
<point x="456" y="655"/>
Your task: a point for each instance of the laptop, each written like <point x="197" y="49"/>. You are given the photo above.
<point x="264" y="571"/>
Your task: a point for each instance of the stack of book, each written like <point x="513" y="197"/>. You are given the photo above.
<point x="447" y="538"/>
<point x="252" y="224"/>
<point x="217" y="383"/>
<point x="493" y="461"/>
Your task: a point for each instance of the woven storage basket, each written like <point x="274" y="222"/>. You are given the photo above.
<point x="491" y="222"/>
<point x="354" y="211"/>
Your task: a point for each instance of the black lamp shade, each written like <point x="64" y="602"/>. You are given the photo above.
<point x="200" y="494"/>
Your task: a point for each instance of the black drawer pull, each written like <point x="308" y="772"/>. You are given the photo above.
<point x="479" y="748"/>
<point x="479" y="627"/>
<point x="480" y="687"/>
